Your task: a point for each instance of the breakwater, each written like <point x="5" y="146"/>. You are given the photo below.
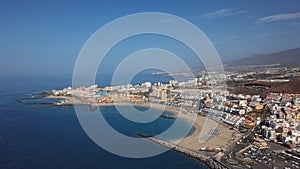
<point x="209" y="161"/>
<point x="168" y="117"/>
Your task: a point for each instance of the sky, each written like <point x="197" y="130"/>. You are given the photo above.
<point x="45" y="37"/>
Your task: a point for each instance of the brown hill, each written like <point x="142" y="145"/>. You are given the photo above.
<point x="263" y="88"/>
<point x="288" y="87"/>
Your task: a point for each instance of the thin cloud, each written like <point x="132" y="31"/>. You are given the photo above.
<point x="227" y="40"/>
<point x="279" y="17"/>
<point x="223" y="13"/>
<point x="232" y="37"/>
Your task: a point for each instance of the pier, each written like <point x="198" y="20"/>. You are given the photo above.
<point x="168" y="117"/>
<point x="209" y="161"/>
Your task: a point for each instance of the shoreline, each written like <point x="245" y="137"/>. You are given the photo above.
<point x="189" y="145"/>
<point x="222" y="140"/>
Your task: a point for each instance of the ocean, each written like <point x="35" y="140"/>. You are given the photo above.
<point x="48" y="137"/>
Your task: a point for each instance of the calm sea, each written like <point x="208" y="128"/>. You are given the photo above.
<point x="45" y="137"/>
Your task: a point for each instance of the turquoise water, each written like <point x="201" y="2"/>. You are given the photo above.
<point x="47" y="137"/>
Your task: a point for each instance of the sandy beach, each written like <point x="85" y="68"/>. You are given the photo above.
<point x="222" y="139"/>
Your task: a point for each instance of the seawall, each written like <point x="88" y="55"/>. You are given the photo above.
<point x="209" y="161"/>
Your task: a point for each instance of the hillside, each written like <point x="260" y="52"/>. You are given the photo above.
<point x="285" y="58"/>
<point x="263" y="88"/>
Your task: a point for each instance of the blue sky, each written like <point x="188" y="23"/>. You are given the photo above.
<point x="45" y="37"/>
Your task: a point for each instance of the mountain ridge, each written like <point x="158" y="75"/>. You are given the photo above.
<point x="285" y="58"/>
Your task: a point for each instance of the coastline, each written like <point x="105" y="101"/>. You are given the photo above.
<point x="223" y="140"/>
<point x="189" y="145"/>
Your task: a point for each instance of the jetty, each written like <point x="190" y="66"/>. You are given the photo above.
<point x="209" y="161"/>
<point x="168" y="117"/>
